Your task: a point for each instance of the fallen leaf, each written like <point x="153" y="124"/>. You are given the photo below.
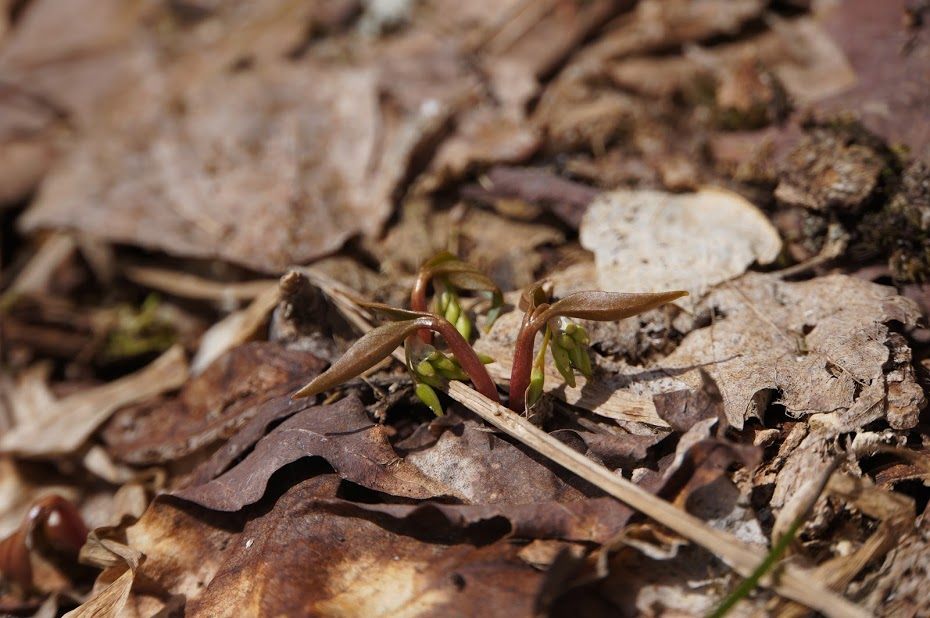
<point x="113" y="586"/>
<point x="821" y="345"/>
<point x="591" y="520"/>
<point x="891" y="90"/>
<point x="358" y="568"/>
<point x="507" y="251"/>
<point x="480" y="467"/>
<point x="341" y="434"/>
<point x="210" y="406"/>
<point x="75" y="418"/>
<point x="652" y="241"/>
<point x="820" y="72"/>
<point x="566" y="199"/>
<point x="238" y="137"/>
<point x="611" y="450"/>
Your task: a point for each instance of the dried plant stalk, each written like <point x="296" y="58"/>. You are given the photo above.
<point x="792" y="582"/>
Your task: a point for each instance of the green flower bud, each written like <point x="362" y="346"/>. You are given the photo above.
<point x="427" y="395"/>
<point x="444" y="298"/>
<point x="580" y="336"/>
<point x="565" y="342"/>
<point x="444" y="363"/>
<point x="454" y="374"/>
<point x="563" y="363"/>
<point x="535" y="390"/>
<point x="485" y="359"/>
<point x="581" y="361"/>
<point x="454" y="310"/>
<point x="425" y="368"/>
<point x="463" y="325"/>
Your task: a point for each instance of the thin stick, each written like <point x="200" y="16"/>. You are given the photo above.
<point x="792" y="582"/>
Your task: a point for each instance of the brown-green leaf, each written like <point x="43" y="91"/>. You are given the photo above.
<point x="364" y="354"/>
<point x="393" y="313"/>
<point x="609" y="306"/>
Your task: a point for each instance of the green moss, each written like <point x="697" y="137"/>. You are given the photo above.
<point x="138" y="331"/>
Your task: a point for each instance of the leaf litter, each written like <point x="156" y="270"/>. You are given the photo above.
<point x="188" y="148"/>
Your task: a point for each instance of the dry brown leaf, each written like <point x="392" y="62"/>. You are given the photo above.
<point x="211" y="406"/>
<point x="505" y="250"/>
<point x="73" y="419"/>
<point x="357" y="568"/>
<point x="566" y="199"/>
<point x="327" y="562"/>
<point x="266" y="167"/>
<point x="341" y="434"/>
<point x="113" y="586"/>
<point x="497" y="480"/>
<point x="656" y="25"/>
<point x="479" y="467"/>
<point x="821" y="346"/>
<point x="652" y="241"/>
<point x="819" y="71"/>
<point x="892" y="89"/>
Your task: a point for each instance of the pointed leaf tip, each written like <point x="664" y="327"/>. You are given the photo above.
<point x="364" y="354"/>
<point x="609" y="306"/>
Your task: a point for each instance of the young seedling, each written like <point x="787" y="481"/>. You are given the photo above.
<point x="432" y="368"/>
<point x="449" y="276"/>
<point x="429" y="366"/>
<point x="567" y="340"/>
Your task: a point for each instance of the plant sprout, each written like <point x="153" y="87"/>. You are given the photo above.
<point x="567" y="340"/>
<point x="428" y="365"/>
<point x="449" y="276"/>
<point x="431" y="368"/>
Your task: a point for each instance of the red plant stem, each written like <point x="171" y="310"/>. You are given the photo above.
<point x="418" y="302"/>
<point x="522" y="363"/>
<point x="465" y="355"/>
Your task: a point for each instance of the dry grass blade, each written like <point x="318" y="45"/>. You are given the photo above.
<point x="236" y="328"/>
<point x="184" y="285"/>
<point x="36" y="274"/>
<point x="793" y="583"/>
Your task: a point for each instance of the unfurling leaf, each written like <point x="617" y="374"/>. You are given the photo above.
<point x="497" y="304"/>
<point x="533" y="296"/>
<point x="453" y="274"/>
<point x="463" y="325"/>
<point x="609" y="306"/>
<point x="569" y="342"/>
<point x="364" y="354"/>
